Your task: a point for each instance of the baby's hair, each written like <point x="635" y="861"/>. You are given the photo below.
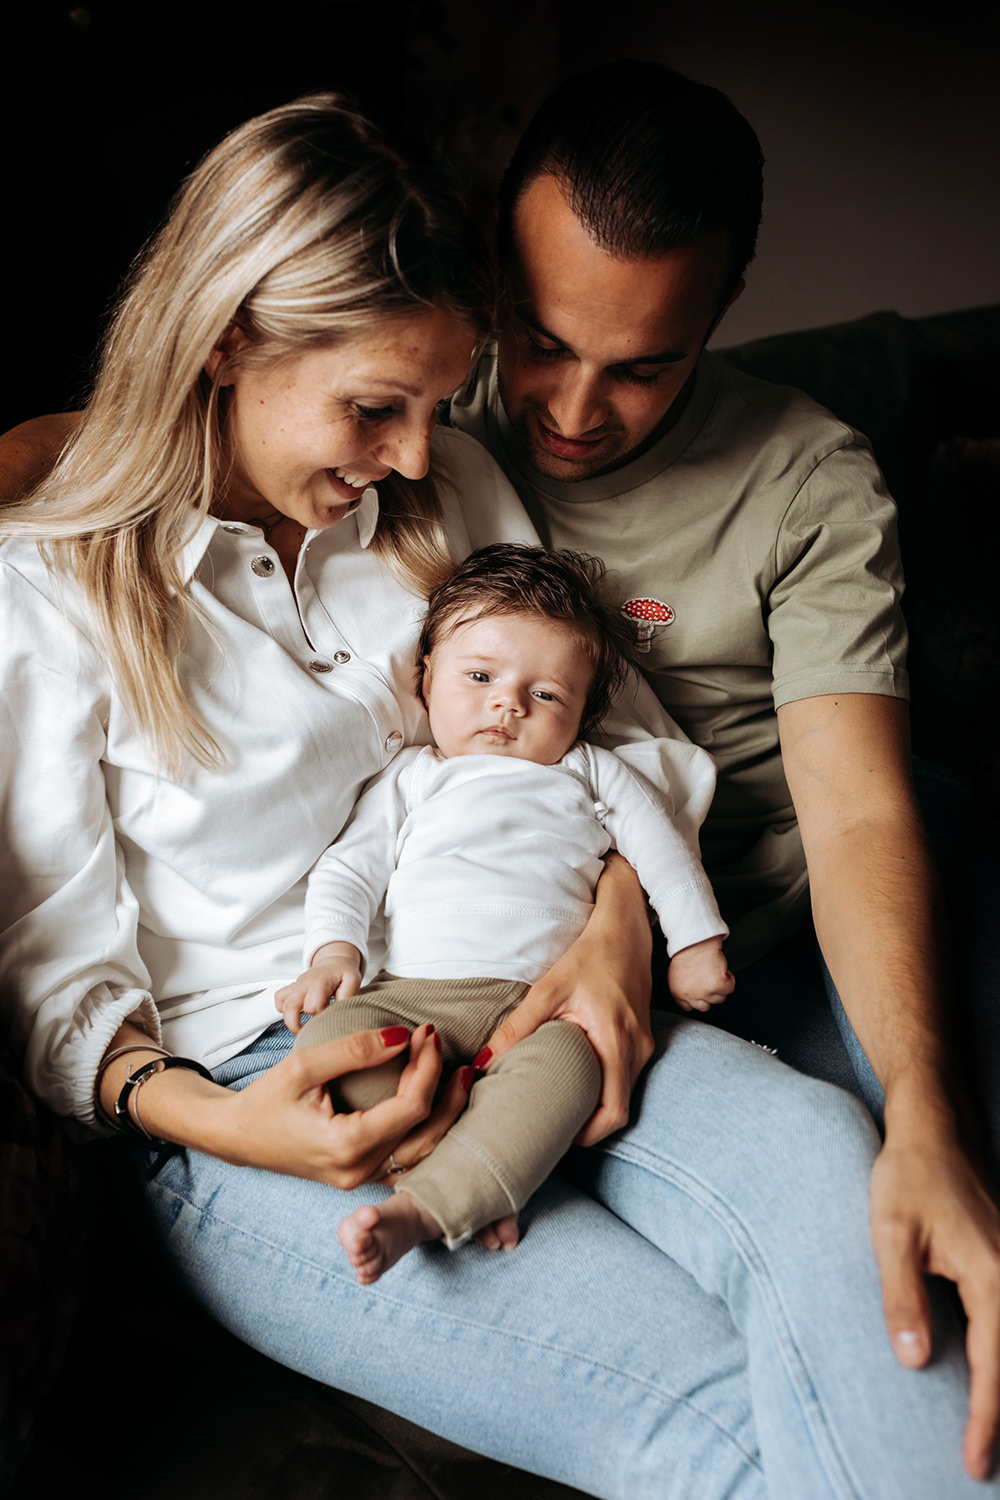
<point x="511" y="578"/>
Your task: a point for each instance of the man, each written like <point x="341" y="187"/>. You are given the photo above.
<point x="750" y="536"/>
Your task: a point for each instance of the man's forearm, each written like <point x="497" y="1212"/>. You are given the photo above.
<point x="875" y="895"/>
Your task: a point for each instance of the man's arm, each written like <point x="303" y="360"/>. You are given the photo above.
<point x="877" y="915"/>
<point x="28" y="452"/>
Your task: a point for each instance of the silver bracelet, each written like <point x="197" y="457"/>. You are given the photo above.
<point x="99" y="1110"/>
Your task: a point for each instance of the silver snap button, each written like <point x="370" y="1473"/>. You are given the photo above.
<point x="394" y="740"/>
<point x="234" y="530"/>
<point x="320" y="666"/>
<point x="341" y="656"/>
<point x="263" y="566"/>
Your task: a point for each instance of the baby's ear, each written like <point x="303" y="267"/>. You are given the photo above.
<point x="424" y="680"/>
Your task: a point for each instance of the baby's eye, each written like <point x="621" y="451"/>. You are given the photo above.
<point x="545" y="697"/>
<point x="479" y="676"/>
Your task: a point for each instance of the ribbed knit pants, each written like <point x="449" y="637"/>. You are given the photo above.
<point x="522" y="1115"/>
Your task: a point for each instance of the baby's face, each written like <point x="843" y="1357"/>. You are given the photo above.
<point x="510" y="685"/>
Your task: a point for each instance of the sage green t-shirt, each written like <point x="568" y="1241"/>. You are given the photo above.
<point x="755" y="547"/>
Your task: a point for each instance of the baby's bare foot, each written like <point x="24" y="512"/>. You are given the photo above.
<point x="502" y="1234"/>
<point x="375" y="1238"/>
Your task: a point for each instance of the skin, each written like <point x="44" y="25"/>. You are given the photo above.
<point x="847" y="761"/>
<point x="358" y="409"/>
<point x="596" y="361"/>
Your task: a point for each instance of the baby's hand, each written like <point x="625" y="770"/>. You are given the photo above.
<point x="699" y="976"/>
<point x="334" y="973"/>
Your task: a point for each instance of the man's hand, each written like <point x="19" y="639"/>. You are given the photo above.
<point x="334" y="973"/>
<point x="603" y="984"/>
<point x="28" y="452"/>
<point x="931" y="1214"/>
<point x="877" y="912"/>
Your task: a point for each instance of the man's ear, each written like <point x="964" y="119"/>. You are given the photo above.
<point x="231" y="342"/>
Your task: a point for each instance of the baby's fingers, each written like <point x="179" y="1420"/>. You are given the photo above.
<point x="288" y="1003"/>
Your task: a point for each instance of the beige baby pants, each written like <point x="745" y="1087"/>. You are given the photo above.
<point x="521" y="1117"/>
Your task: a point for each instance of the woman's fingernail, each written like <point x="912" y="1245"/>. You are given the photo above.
<point x="466" y="1078"/>
<point x="392" y="1036"/>
<point x="430" y="1029"/>
<point x="483" y="1059"/>
<point x="437" y="1041"/>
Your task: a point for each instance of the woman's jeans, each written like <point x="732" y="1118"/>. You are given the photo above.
<point x="702" y="1320"/>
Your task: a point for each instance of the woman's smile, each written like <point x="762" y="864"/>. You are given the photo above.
<point x="309" y="434"/>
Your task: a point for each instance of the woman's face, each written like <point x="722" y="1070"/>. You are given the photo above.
<point x="307" y="435"/>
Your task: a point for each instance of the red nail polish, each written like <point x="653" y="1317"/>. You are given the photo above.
<point x="392" y="1036"/>
<point x="430" y="1029"/>
<point x="466" y="1078"/>
<point x="483" y="1059"/>
<point x="437" y="1041"/>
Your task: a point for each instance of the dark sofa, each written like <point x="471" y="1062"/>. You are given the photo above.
<point x="113" y="1384"/>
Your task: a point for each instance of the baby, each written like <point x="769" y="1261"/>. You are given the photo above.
<point x="487" y="849"/>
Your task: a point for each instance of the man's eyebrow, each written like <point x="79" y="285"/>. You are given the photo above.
<point x="664" y="357"/>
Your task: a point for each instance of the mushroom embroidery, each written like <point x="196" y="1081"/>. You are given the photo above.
<point x="646" y="614"/>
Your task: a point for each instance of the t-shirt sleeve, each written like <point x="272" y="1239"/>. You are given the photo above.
<point x="834" y="613"/>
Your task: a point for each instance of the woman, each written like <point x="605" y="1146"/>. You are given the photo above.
<point x="209" y="615"/>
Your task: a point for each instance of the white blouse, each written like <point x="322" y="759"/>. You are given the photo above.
<point x="120" y="883"/>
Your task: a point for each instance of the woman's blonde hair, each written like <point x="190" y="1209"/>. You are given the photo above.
<point x="303" y="227"/>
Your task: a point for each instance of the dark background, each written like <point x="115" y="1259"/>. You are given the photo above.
<point x="880" y="133"/>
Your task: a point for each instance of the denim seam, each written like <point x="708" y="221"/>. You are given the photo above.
<point x="661" y="1392"/>
<point x="835" y="1463"/>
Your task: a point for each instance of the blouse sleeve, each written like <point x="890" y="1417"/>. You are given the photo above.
<point x="70" y="971"/>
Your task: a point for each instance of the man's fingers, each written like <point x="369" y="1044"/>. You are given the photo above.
<point x="983" y="1348"/>
<point x="904" y="1296"/>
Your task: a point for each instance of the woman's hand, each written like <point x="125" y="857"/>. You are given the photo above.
<point x="285" y="1121"/>
<point x="602" y="983"/>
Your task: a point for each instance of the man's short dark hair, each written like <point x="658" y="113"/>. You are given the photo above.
<point x="649" y="159"/>
<point x="511" y="578"/>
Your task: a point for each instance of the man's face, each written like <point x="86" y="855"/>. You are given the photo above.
<point x="594" y="351"/>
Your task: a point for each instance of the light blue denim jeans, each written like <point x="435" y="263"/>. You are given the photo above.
<point x="693" y="1312"/>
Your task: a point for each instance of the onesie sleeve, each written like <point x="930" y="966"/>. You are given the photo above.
<point x="348" y="882"/>
<point x="70" y="971"/>
<point x="639" y="817"/>
<point x="833" y="611"/>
